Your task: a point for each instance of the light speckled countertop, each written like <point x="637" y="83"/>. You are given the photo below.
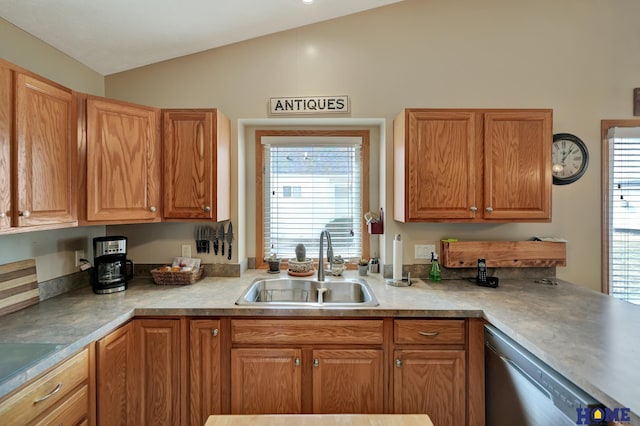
<point x="592" y="339"/>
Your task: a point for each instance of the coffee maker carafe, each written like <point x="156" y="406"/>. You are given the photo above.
<point x="110" y="272"/>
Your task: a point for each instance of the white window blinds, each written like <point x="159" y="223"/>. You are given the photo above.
<point x="311" y="184"/>
<point x="624" y="213"/>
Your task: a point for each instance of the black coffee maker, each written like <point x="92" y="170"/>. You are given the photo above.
<point x="110" y="272"/>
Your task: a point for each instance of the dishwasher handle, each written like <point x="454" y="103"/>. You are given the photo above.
<point x="525" y="375"/>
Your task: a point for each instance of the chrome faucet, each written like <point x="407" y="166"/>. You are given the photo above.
<point x="329" y="254"/>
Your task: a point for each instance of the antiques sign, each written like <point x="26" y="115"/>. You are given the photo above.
<point x="309" y="105"/>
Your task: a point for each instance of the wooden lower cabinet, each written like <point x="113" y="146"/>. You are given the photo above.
<point x="431" y="382"/>
<point x="148" y="374"/>
<point x="307" y="366"/>
<point x="266" y="381"/>
<point x="138" y="378"/>
<point x="61" y="396"/>
<point x="205" y="379"/>
<point x="348" y="381"/>
<point x="272" y="381"/>
<point x="114" y="377"/>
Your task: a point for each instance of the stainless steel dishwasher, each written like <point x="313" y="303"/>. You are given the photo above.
<point x="522" y="390"/>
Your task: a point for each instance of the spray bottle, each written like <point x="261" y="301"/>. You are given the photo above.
<point x="434" y="274"/>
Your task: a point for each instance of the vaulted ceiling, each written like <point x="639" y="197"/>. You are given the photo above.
<point x="110" y="36"/>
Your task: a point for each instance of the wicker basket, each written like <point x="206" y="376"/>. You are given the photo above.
<point x="176" y="278"/>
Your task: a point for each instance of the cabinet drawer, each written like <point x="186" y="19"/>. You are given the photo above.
<point x="71" y="411"/>
<point x="429" y="332"/>
<point x="367" y="332"/>
<point x="46" y="391"/>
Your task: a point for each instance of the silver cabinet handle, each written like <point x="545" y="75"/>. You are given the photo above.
<point x="3" y="214"/>
<point x="207" y="209"/>
<point x="49" y="395"/>
<point x="152" y="209"/>
<point x="489" y="209"/>
<point x="296" y="362"/>
<point x="316" y="362"/>
<point x="473" y="209"/>
<point x="428" y="333"/>
<point x="398" y="363"/>
<point x="214" y="332"/>
<point x="25" y="213"/>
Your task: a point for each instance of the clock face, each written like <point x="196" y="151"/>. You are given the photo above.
<point x="569" y="158"/>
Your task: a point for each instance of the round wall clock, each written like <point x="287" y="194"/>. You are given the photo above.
<point x="570" y="158"/>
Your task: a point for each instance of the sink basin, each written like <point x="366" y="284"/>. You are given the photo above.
<point x="285" y="292"/>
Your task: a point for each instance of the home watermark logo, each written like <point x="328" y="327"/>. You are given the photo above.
<point x="602" y="415"/>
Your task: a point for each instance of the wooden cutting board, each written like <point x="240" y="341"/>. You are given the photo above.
<point x="18" y="286"/>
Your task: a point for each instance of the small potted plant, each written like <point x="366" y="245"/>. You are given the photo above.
<point x="274" y="263"/>
<point x="363" y="266"/>
<point x="337" y="265"/>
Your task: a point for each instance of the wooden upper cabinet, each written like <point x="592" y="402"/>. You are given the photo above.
<point x="123" y="161"/>
<point x="46" y="152"/>
<point x="472" y="165"/>
<point x="5" y="147"/>
<point x="196" y="164"/>
<point x="517" y="165"/>
<point x="435" y="163"/>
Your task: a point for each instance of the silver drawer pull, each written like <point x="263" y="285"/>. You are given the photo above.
<point x="214" y="332"/>
<point x="50" y="394"/>
<point x="428" y="333"/>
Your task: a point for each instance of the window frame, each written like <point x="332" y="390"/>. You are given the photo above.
<point x="605" y="125"/>
<point x="259" y="195"/>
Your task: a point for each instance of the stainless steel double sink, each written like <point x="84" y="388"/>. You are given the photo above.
<point x="300" y="292"/>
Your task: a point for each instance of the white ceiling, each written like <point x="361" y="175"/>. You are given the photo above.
<point x="116" y="35"/>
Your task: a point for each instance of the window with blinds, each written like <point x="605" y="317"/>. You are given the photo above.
<point x="624" y="213"/>
<point x="311" y="184"/>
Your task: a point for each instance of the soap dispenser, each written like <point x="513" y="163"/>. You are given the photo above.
<point x="434" y="274"/>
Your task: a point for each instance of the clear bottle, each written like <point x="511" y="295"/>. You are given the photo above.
<point x="434" y="274"/>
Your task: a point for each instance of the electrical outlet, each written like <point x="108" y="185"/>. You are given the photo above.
<point x="79" y="255"/>
<point x="186" y="250"/>
<point x="423" y="251"/>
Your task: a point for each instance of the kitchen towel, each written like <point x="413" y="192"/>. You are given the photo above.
<point x="397" y="258"/>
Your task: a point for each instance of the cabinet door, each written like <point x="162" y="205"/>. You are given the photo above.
<point x="45" y="151"/>
<point x="114" y="378"/>
<point x="123" y="162"/>
<point x="347" y="381"/>
<point x="196" y="165"/>
<point x="204" y="370"/>
<point x="517" y="165"/>
<point x="157" y="366"/>
<point x="440" y="155"/>
<point x="430" y="382"/>
<point x="5" y="147"/>
<point x="266" y="381"/>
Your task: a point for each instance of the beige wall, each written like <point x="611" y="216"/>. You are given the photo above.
<point x="579" y="57"/>
<point x="53" y="250"/>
